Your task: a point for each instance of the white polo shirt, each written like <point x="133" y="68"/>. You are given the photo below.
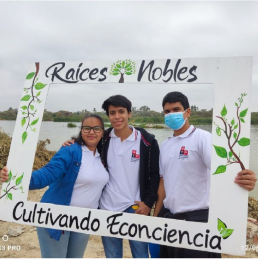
<point x="91" y="180"/>
<point x="185" y="167"/>
<point x="123" y="159"/>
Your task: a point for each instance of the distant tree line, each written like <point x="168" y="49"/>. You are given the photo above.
<point x="141" y="115"/>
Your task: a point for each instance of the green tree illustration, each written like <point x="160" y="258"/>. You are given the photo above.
<point x="122" y="67"/>
<point x="15" y="183"/>
<point x="232" y="132"/>
<point x="30" y="98"/>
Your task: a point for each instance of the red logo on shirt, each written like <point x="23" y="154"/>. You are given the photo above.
<point x="135" y="156"/>
<point x="183" y="153"/>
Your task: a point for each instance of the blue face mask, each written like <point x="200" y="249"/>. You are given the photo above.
<point x="175" y="120"/>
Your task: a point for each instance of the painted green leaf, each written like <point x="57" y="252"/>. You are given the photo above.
<point x="221" y="169"/>
<point x="224" y="111"/>
<point x="10" y="196"/>
<point x="9" y="177"/>
<point x="32" y="107"/>
<point x="24" y="136"/>
<point x="24" y="107"/>
<point x="221" y="151"/>
<point x="236" y="104"/>
<point x="227" y="233"/>
<point x="244" y="142"/>
<point x="221" y="225"/>
<point x="19" y="180"/>
<point x="128" y="73"/>
<point x="30" y="75"/>
<point x="235" y="127"/>
<point x="118" y="66"/>
<point x="235" y="135"/>
<point x="242" y="120"/>
<point x="123" y="64"/>
<point x="129" y="69"/>
<point x="128" y="65"/>
<point x="115" y="74"/>
<point x="38" y="94"/>
<point x="39" y="86"/>
<point x="243" y="113"/>
<point x="25" y="98"/>
<point x="23" y="122"/>
<point x="232" y="122"/>
<point x="116" y="69"/>
<point x="218" y="131"/>
<point x="35" y="122"/>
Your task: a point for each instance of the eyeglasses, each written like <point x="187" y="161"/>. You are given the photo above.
<point x="87" y="129"/>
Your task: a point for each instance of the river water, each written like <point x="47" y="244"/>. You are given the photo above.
<point x="58" y="132"/>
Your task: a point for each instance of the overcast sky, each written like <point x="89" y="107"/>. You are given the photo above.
<point x="81" y="31"/>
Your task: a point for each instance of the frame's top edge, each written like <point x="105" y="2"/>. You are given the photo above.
<point x="147" y="58"/>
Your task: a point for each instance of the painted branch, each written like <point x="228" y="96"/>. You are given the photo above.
<point x="33" y="97"/>
<point x="237" y="158"/>
<point x="236" y="162"/>
<point x="7" y="192"/>
<point x="231" y="147"/>
<point x="226" y="131"/>
<point x="239" y="128"/>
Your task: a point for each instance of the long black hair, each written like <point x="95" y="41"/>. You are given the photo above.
<point x="79" y="138"/>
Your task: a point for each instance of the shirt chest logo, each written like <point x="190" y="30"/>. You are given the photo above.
<point x="135" y="157"/>
<point x="183" y="154"/>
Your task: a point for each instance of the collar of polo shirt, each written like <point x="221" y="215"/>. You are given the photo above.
<point x="186" y="133"/>
<point x="85" y="149"/>
<point x="132" y="137"/>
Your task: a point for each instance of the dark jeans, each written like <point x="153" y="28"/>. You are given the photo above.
<point x="176" y="252"/>
<point x="113" y="246"/>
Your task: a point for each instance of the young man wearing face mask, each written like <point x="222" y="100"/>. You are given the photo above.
<point x="185" y="173"/>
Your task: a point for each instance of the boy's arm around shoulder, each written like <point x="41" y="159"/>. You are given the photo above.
<point x="53" y="170"/>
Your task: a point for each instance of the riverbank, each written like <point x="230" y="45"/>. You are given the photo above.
<point x="141" y="116"/>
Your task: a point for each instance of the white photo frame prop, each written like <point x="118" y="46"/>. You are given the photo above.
<point x="225" y="231"/>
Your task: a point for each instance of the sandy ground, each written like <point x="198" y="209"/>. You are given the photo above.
<point x="29" y="246"/>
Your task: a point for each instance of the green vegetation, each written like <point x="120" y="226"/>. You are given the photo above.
<point x="142" y="116"/>
<point x="42" y="155"/>
<point x="71" y="125"/>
